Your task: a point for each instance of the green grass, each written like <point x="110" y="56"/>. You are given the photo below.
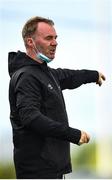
<point x="7" y="171"/>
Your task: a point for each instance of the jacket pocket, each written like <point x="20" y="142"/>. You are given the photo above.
<point x="46" y="154"/>
<point x="56" y="153"/>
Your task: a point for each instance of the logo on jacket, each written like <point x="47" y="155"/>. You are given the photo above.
<point x="50" y="86"/>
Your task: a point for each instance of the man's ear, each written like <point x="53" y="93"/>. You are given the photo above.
<point x="30" y="42"/>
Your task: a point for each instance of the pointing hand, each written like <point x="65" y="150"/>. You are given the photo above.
<point x="100" y="79"/>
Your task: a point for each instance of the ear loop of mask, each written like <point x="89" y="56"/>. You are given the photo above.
<point x="40" y="55"/>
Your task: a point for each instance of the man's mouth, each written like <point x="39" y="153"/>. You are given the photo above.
<point x="52" y="51"/>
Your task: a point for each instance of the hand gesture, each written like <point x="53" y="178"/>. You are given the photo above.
<point x="84" y="138"/>
<point x="100" y="79"/>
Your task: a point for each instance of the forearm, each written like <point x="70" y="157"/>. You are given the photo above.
<point x="80" y="77"/>
<point x="59" y="131"/>
<point x="46" y="127"/>
<point x="70" y="79"/>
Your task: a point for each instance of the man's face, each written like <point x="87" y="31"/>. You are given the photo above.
<point x="45" y="40"/>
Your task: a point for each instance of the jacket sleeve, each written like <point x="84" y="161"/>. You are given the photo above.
<point x="71" y="79"/>
<point x="28" y="102"/>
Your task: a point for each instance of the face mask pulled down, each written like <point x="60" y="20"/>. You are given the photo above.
<point x="41" y="56"/>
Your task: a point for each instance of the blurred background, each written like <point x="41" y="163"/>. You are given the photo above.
<point x="84" y="29"/>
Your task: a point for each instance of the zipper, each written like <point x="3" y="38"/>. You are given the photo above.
<point x="55" y="81"/>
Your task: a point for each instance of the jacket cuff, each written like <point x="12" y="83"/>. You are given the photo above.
<point x="74" y="135"/>
<point x="91" y="76"/>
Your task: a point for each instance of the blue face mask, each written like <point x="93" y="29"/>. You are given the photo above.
<point x="43" y="57"/>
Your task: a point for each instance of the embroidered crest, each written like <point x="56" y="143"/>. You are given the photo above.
<point x="50" y="86"/>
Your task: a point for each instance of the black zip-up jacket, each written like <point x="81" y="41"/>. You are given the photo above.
<point x="41" y="133"/>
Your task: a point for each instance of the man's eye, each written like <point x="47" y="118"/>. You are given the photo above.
<point x="49" y="38"/>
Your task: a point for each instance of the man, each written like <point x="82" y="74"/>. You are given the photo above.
<point x="41" y="133"/>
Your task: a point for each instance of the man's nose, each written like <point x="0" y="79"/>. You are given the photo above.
<point x="54" y="42"/>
